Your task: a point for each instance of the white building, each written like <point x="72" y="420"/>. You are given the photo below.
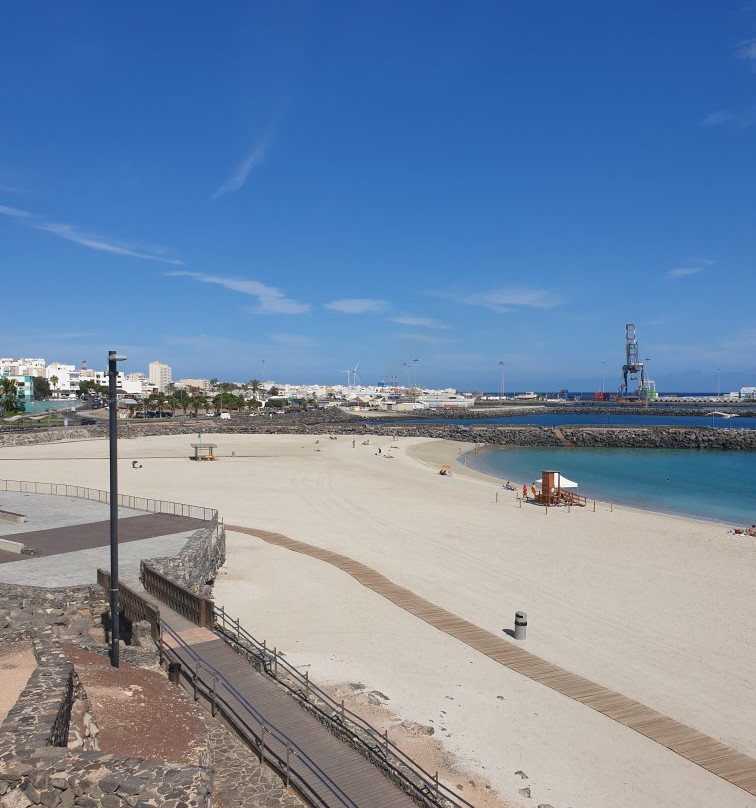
<point x="24" y="366"/>
<point x="160" y="375"/>
<point x="197" y="384"/>
<point x="67" y="378"/>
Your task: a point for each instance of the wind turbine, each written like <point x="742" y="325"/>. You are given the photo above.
<point x="349" y="376"/>
<point x="355" y="377"/>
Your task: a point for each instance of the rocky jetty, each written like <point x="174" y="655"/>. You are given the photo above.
<point x="336" y="422"/>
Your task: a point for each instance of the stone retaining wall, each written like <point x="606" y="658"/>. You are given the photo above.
<point x="658" y="437"/>
<point x="49" y="757"/>
<point x="196" y="566"/>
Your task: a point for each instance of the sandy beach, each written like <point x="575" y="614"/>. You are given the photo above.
<point x="655" y="607"/>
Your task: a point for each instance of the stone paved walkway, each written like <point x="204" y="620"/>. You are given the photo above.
<point x="239" y="779"/>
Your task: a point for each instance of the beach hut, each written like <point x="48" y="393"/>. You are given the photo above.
<point x="552" y="486"/>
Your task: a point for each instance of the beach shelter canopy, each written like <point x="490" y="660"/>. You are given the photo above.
<point x="562" y="482"/>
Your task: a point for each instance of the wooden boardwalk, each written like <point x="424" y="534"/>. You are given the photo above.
<point x="332" y="774"/>
<point x="706" y="752"/>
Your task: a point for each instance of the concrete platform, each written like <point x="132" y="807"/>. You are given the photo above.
<point x="44" y="511"/>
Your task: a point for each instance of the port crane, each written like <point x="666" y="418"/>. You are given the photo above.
<point x="633" y="367"/>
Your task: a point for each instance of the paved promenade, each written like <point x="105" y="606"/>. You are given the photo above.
<point x="73" y="538"/>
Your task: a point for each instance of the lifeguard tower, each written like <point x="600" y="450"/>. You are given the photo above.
<point x="555" y="489"/>
<point x="203" y="451"/>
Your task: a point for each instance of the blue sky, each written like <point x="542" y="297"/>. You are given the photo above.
<point x="283" y="189"/>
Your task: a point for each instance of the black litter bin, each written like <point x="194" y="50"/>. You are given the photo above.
<point x="174" y="672"/>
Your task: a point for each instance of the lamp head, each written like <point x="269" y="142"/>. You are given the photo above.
<point x="114" y="357"/>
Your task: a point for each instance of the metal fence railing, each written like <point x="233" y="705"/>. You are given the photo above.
<point x="421" y="785"/>
<point x="290" y="760"/>
<point x="124" y="500"/>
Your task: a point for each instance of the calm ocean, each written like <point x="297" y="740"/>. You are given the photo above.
<point x="703" y="484"/>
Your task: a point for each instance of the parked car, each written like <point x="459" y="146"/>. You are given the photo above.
<point x="88" y="422"/>
<point x="226" y="416"/>
<point x="166" y="415"/>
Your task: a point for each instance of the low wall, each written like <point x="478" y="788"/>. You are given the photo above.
<point x="198" y="562"/>
<point x="49" y="758"/>
<point x="661" y="437"/>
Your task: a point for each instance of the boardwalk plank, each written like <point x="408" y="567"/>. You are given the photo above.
<point x="702" y="750"/>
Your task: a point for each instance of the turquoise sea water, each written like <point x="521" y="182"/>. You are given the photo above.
<point x="706" y="485"/>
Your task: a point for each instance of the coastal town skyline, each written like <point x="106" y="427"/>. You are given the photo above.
<point x="286" y="191"/>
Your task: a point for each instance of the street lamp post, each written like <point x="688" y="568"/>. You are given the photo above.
<point x="501" y="380"/>
<point x="603" y="366"/>
<point x="415" y="361"/>
<point x="113" y="359"/>
<point x="719" y="381"/>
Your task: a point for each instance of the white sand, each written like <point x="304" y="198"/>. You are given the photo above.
<point x="17" y="663"/>
<point x="655" y="607"/>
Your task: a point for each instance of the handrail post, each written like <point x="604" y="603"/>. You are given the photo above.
<point x="342" y="711"/>
<point x="275" y="662"/>
<point x="385" y="741"/>
<point x="288" y="755"/>
<point x="307" y="685"/>
<point x="436" y="779"/>
<point x="212" y="702"/>
<point x="196" y="671"/>
<point x="262" y="744"/>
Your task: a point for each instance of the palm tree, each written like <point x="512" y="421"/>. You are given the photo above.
<point x="54" y="382"/>
<point x="8" y="395"/>
<point x="182" y="399"/>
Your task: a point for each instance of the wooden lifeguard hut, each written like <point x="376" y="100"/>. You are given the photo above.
<point x="203" y="451"/>
<point x="558" y="490"/>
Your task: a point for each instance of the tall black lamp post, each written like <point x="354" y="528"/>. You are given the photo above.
<point x="113" y="359"/>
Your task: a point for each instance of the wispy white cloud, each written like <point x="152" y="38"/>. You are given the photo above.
<point x="420" y="322"/>
<point x="718" y="117"/>
<point x="747" y="50"/>
<point x="358" y="305"/>
<point x="255" y="157"/>
<point x="738" y="119"/>
<point x="425" y="339"/>
<point x="700" y="260"/>
<point x="70" y="233"/>
<point x="66" y="231"/>
<point x="506" y="300"/>
<point x="682" y="272"/>
<point x="11" y="189"/>
<point x="297" y="340"/>
<point x="14" y="213"/>
<point x="270" y="300"/>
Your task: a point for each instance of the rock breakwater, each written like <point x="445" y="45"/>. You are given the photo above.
<point x="652" y="437"/>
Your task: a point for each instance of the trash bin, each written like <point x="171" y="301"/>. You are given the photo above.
<point x="521" y="625"/>
<point x="174" y="672"/>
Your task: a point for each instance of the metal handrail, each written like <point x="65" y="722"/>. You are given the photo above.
<point x="432" y="788"/>
<point x="283" y="767"/>
<point x="98" y="495"/>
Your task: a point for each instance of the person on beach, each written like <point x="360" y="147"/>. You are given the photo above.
<point x="524" y="491"/>
<point x="353" y="443"/>
<point x="135" y="464"/>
